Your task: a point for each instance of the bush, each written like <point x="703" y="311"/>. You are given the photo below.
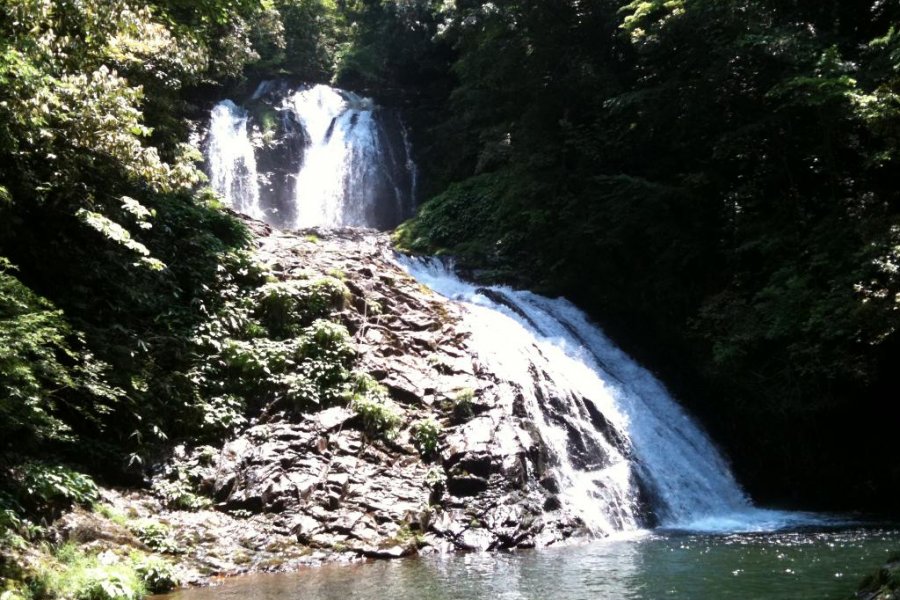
<point x="178" y="488"/>
<point x="286" y="307"/>
<point x="157" y="536"/>
<point x="157" y="575"/>
<point x="180" y="495"/>
<point x="108" y="584"/>
<point x="41" y="368"/>
<point x="51" y="488"/>
<point x="425" y="435"/>
<point x="81" y="576"/>
<point x="380" y="416"/>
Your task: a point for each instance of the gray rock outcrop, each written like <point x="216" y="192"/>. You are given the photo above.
<point x="486" y="486"/>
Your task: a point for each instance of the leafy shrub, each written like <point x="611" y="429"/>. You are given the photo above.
<point x="41" y="369"/>
<point x="380" y="416"/>
<point x="46" y="487"/>
<point x="108" y="584"/>
<point x="181" y="495"/>
<point x="286" y="307"/>
<point x="81" y="576"/>
<point x="470" y="219"/>
<point x="157" y="536"/>
<point x="305" y="371"/>
<point x="425" y="435"/>
<point x="157" y="575"/>
<point x="10" y="513"/>
<point x="221" y="414"/>
<point x="177" y="487"/>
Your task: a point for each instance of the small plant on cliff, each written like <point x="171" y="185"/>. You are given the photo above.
<point x="462" y="404"/>
<point x="409" y="534"/>
<point x="307" y="370"/>
<point x="380" y="416"/>
<point x="426" y="434"/>
<point x="286" y="307"/>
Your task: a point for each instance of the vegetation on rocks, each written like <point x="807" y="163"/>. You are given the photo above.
<point x="426" y="435"/>
<point x="381" y="417"/>
<point x="132" y="314"/>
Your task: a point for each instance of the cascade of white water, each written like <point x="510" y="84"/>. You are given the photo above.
<point x="674" y="458"/>
<point x="411" y="166"/>
<point x="355" y="167"/>
<point x="337" y="183"/>
<point x="617" y="436"/>
<point x="594" y="474"/>
<point x="232" y="163"/>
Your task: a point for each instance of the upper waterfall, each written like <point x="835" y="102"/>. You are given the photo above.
<point x="232" y="160"/>
<point x="313" y="156"/>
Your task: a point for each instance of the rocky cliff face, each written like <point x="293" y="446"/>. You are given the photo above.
<point x="302" y="489"/>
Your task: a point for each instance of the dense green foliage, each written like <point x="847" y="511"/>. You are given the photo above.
<point x="715" y="180"/>
<point x="99" y="214"/>
<point x="131" y="313"/>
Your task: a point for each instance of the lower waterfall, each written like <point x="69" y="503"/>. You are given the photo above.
<point x="626" y="454"/>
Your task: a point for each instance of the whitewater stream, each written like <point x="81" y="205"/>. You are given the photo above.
<point x="668" y="517"/>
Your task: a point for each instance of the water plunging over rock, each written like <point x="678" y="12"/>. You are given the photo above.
<point x="313" y="156"/>
<point x="547" y="432"/>
<point x="624" y="454"/>
<point x="233" y="171"/>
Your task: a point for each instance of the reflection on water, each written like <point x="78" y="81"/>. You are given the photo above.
<point x="775" y="566"/>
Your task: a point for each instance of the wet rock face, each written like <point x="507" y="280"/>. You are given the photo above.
<point x="487" y="485"/>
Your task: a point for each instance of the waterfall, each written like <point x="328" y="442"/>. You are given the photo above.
<point x="625" y="454"/>
<point x="231" y="159"/>
<point x="326" y="157"/>
<point x="619" y="441"/>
